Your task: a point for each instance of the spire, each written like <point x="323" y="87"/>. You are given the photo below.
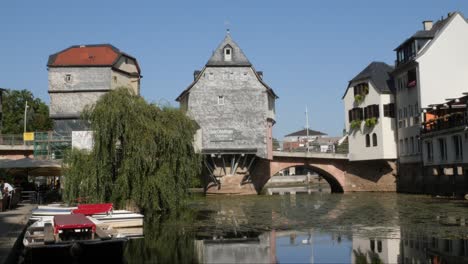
<point x="237" y="57"/>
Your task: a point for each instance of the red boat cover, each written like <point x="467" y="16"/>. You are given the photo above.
<point x="90" y="209"/>
<point x="73" y="221"/>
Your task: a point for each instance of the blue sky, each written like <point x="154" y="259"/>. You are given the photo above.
<point x="308" y="50"/>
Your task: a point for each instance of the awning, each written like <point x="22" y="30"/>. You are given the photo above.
<point x="32" y="167"/>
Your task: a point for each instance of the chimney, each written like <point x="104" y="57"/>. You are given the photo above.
<point x="195" y="74"/>
<point x="427" y="25"/>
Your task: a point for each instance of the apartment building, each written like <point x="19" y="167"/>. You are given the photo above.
<point x="428" y="69"/>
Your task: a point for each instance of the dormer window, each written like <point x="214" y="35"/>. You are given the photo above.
<point x="221" y="100"/>
<point x="227" y="53"/>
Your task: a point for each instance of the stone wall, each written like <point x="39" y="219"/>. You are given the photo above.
<point x="239" y="123"/>
<point x="65" y="95"/>
<point x="410" y="178"/>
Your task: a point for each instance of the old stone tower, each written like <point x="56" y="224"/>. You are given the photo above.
<point x="235" y="110"/>
<point x="79" y="75"/>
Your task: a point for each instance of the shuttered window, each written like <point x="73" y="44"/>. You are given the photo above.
<point x="355" y="114"/>
<point x="371" y="111"/>
<point x="389" y="110"/>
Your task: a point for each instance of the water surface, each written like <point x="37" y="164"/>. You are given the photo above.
<point x="315" y="228"/>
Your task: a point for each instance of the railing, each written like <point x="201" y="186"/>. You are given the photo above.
<point x="13" y="140"/>
<point x="446" y="122"/>
<point x="313" y="147"/>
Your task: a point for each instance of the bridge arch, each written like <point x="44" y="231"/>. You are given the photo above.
<point x="334" y="176"/>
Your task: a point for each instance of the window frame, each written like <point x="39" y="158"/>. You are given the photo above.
<point x="374" y="140"/>
<point x="221" y="100"/>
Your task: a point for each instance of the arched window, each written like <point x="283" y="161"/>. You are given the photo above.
<point x="367" y="140"/>
<point x="374" y="140"/>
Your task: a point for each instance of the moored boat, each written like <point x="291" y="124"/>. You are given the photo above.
<point x="71" y="238"/>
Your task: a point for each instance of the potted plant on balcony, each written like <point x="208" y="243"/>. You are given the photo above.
<point x="370" y="122"/>
<point x="358" y="98"/>
<point x="355" y="124"/>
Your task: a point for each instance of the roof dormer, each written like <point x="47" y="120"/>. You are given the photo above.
<point x="227" y="53"/>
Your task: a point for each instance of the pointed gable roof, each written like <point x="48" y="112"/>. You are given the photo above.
<point x="238" y="59"/>
<point x="238" y="56"/>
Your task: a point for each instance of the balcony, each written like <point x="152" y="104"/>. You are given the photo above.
<point x="453" y="120"/>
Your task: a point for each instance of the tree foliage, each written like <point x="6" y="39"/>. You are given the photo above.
<point x="142" y="154"/>
<point x="37" y="115"/>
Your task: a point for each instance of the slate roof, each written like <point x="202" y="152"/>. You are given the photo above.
<point x="238" y="60"/>
<point x="98" y="55"/>
<point x="303" y="133"/>
<point x="428" y="34"/>
<point x="379" y="74"/>
<point x="238" y="56"/>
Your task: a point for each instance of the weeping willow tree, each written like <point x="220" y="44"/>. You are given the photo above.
<point x="142" y="154"/>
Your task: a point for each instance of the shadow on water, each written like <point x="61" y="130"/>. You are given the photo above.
<point x="359" y="228"/>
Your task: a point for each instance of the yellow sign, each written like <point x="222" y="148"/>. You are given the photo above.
<point x="28" y="136"/>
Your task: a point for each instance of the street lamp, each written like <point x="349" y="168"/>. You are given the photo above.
<point x="25" y="112"/>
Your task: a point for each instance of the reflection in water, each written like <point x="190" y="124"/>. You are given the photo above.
<point x="350" y="228"/>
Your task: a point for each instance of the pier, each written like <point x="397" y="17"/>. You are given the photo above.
<point x="12" y="224"/>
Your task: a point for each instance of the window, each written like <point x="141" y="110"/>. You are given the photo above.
<point x="367" y="140"/>
<point x="405" y="113"/>
<point x="412" y="144"/>
<point x="442" y="149"/>
<point x="227" y="53"/>
<point x="429" y="151"/>
<point x="458" y="147"/>
<point x="389" y="110"/>
<point x="114" y="78"/>
<point x="210" y="76"/>
<point x="406" y="150"/>
<point x="400" y="116"/>
<point x="361" y="89"/>
<point x="411" y="78"/>
<point x="68" y="78"/>
<point x="371" y="111"/>
<point x="374" y="140"/>
<point x="221" y="100"/>
<point x="372" y="245"/>
<point x="355" y="114"/>
<point x="379" y="246"/>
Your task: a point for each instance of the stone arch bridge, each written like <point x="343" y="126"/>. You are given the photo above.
<point x="342" y="175"/>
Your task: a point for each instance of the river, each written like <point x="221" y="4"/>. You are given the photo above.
<point x="307" y="228"/>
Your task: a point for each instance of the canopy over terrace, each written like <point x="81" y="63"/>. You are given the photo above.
<point x="32" y="167"/>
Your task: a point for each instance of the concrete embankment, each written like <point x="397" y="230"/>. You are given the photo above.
<point x="12" y="225"/>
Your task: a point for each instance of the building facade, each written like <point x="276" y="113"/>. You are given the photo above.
<point x="428" y="70"/>
<point x="444" y="139"/>
<point x="370" y="114"/>
<point x="235" y="110"/>
<point x="299" y="140"/>
<point x="79" y="75"/>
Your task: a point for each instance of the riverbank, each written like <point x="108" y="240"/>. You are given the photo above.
<point x="12" y="224"/>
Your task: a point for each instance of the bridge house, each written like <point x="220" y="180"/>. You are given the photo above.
<point x="235" y="110"/>
<point x="80" y="74"/>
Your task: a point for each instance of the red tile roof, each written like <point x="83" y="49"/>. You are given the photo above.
<point x="87" y="55"/>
